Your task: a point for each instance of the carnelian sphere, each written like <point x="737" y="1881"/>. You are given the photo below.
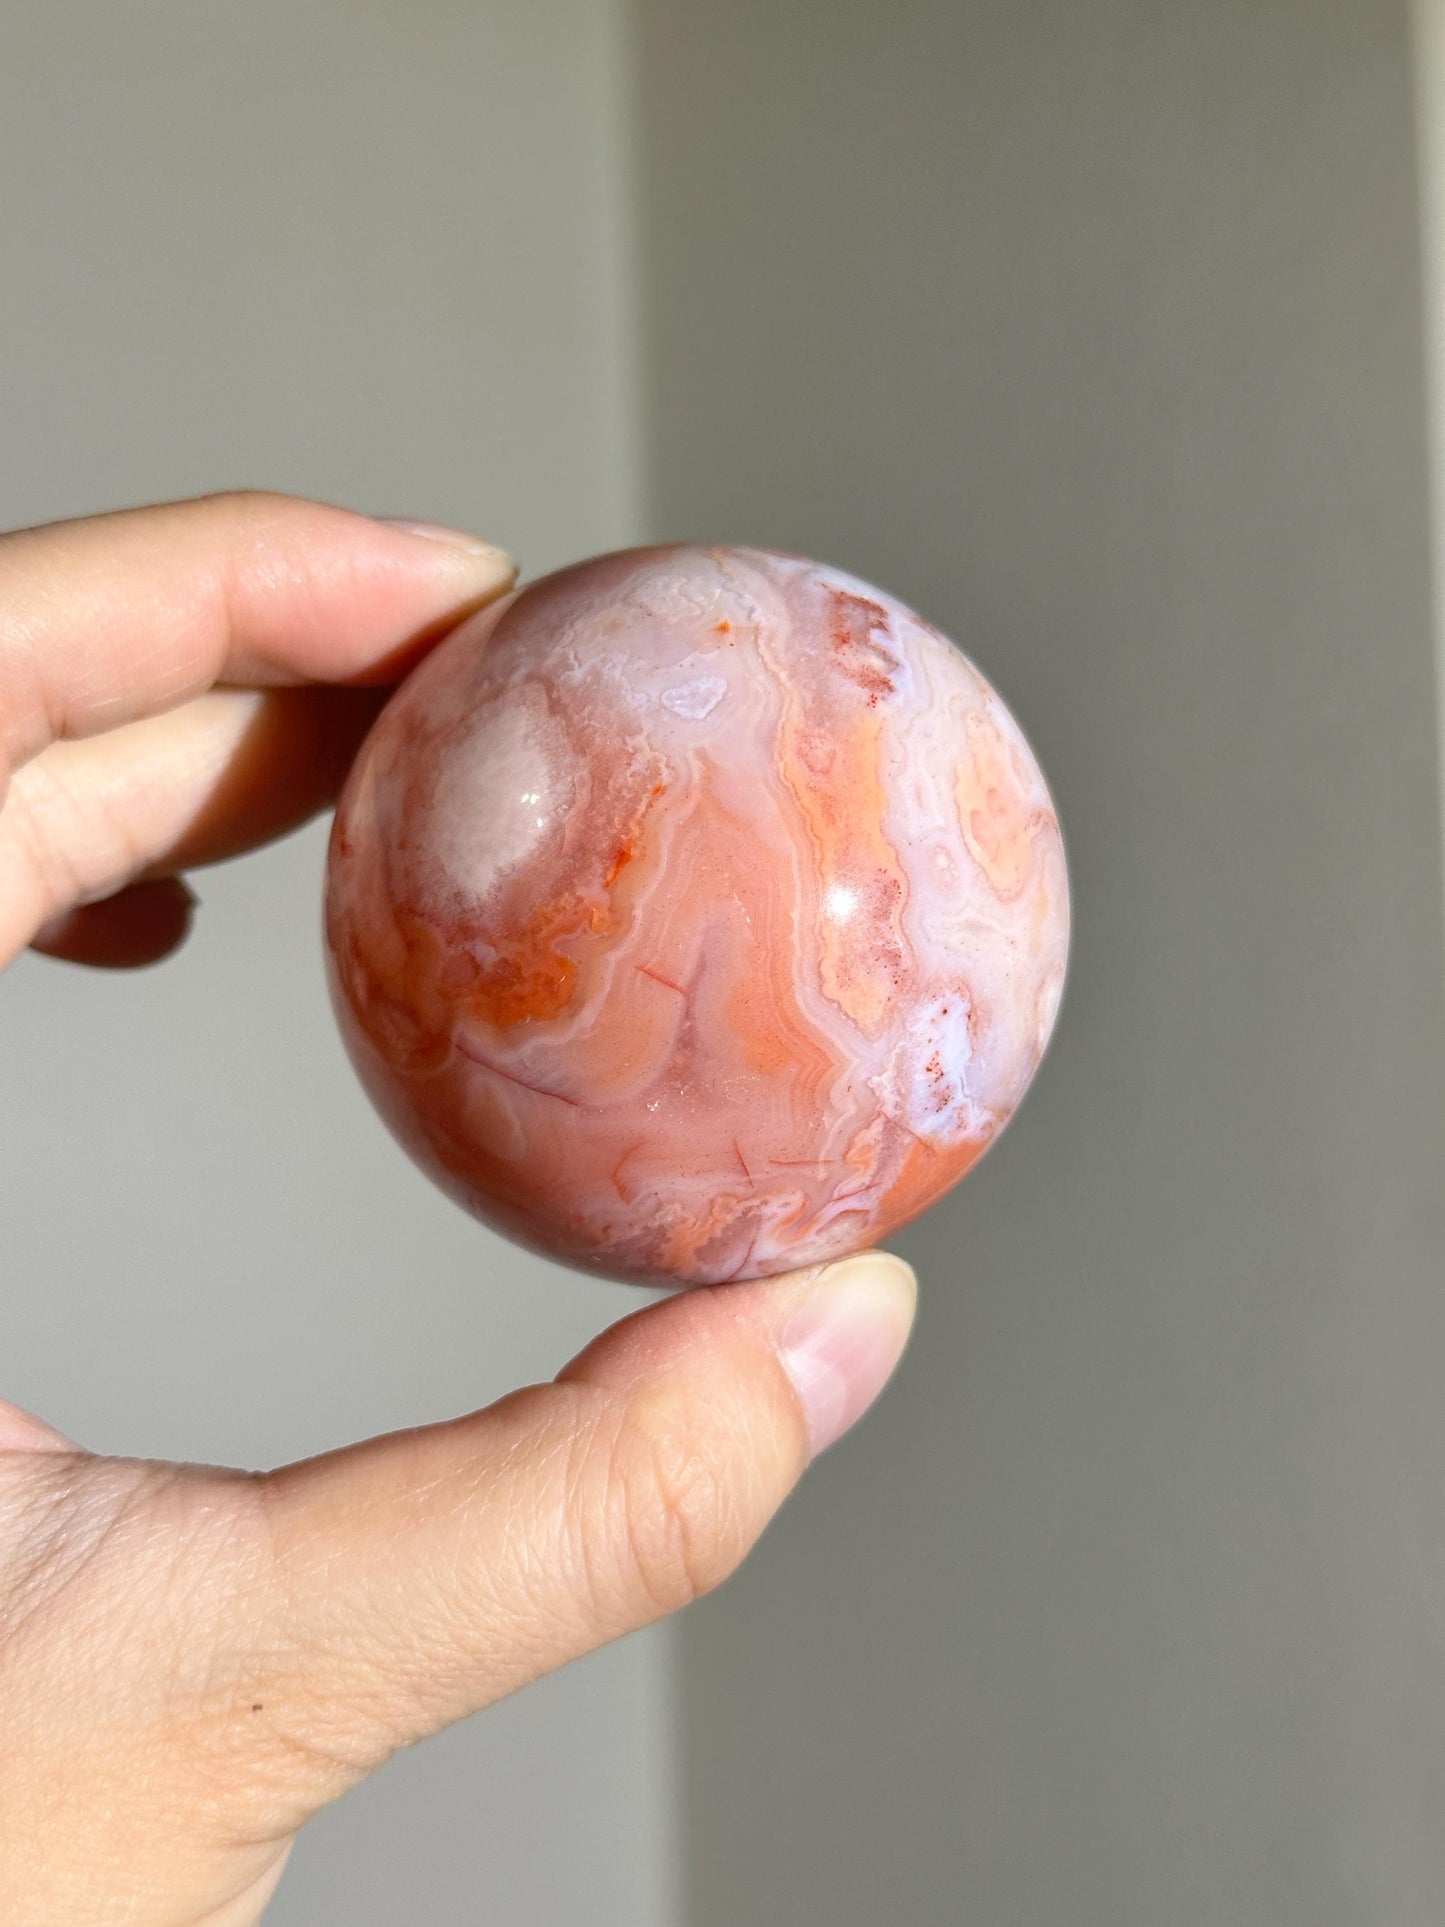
<point x="696" y="913"/>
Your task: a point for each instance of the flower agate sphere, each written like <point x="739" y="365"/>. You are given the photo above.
<point x="696" y="913"/>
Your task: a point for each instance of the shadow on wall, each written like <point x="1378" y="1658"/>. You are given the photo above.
<point x="1095" y="333"/>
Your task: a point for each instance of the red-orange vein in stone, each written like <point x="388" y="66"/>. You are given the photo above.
<point x="538" y="1090"/>
<point x="657" y="977"/>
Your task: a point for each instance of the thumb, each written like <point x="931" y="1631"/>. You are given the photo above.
<point x="426" y="1574"/>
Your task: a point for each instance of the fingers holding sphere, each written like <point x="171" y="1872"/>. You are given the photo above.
<point x="90" y="829"/>
<point x="423" y="1575"/>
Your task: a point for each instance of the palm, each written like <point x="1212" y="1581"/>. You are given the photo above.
<point x="117" y="1583"/>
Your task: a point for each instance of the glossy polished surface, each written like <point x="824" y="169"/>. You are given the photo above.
<point x="696" y="913"/>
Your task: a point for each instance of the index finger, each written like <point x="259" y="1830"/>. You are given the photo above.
<point x="120" y="616"/>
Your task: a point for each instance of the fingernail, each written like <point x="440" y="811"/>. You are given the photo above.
<point x="490" y="561"/>
<point x="840" y="1346"/>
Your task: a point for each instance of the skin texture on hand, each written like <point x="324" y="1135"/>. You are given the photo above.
<point x="192" y="1661"/>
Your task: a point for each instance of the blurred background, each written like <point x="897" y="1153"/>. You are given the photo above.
<point x="1097" y="331"/>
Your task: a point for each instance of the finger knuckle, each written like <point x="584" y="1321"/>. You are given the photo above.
<point x="675" y="1512"/>
<point x="41" y="832"/>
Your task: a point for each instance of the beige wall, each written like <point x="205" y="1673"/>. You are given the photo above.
<point x="1095" y="330"/>
<point x="371" y="252"/>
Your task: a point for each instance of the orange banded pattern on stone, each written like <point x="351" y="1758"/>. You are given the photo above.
<point x="696" y="913"/>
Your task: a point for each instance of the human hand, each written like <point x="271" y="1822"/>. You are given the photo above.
<point x="195" y="1661"/>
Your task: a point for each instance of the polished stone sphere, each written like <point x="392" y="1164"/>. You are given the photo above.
<point x="696" y="913"/>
